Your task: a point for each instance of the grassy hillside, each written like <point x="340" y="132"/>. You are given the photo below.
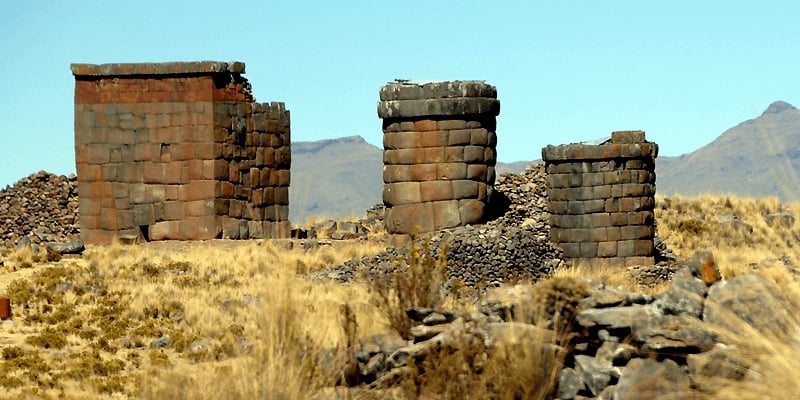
<point x="243" y="321"/>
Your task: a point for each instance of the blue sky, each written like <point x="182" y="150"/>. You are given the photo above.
<point x="683" y="71"/>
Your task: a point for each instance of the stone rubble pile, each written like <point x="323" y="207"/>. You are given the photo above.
<point x="514" y="244"/>
<point x="42" y="207"/>
<point x="619" y="343"/>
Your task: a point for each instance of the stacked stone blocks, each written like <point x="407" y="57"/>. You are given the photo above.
<point x="601" y="199"/>
<point x="178" y="151"/>
<point x="439" y="153"/>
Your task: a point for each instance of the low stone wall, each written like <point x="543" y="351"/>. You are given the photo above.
<point x="601" y="199"/>
<point x="439" y="153"/>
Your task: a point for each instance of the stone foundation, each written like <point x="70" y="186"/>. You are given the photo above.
<point x="601" y="199"/>
<point x="178" y="151"/>
<point x="439" y="153"/>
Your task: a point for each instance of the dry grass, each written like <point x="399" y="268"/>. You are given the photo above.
<point x="240" y="319"/>
<point x="689" y="224"/>
<point x="244" y="323"/>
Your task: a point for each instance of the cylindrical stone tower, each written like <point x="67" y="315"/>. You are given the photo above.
<point x="439" y="153"/>
<point x="602" y="199"/>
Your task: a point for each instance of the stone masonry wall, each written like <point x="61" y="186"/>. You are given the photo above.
<point x="178" y="151"/>
<point x="439" y="153"/>
<point x="601" y="199"/>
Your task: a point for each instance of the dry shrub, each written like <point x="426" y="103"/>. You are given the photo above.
<point x="418" y="281"/>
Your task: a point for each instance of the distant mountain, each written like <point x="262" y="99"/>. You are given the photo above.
<point x="757" y="158"/>
<point x="334" y="178"/>
<point x="342" y="177"/>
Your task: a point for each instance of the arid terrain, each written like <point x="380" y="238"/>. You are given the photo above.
<point x="265" y="319"/>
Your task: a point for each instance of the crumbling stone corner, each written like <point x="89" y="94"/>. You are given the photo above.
<point x="180" y="151"/>
<point x="439" y="153"/>
<point x="601" y="199"/>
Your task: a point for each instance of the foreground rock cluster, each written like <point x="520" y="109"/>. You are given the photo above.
<point x="616" y="344"/>
<point x="42" y="207"/>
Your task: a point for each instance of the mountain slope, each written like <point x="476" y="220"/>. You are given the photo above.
<point x="334" y="178"/>
<point x="759" y="157"/>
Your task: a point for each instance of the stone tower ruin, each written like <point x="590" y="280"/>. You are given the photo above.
<point x="178" y="151"/>
<point x="601" y="199"/>
<point x="439" y="153"/>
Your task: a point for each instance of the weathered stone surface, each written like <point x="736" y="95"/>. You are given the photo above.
<point x="746" y="300"/>
<point x="671" y="333"/>
<point x="651" y="379"/>
<point x="617" y="317"/>
<point x="410" y="90"/>
<point x="169" y="68"/>
<point x="595" y="373"/>
<point x="684" y="296"/>
<point x="438" y="107"/>
<point x="570" y="383"/>
<point x="702" y="265"/>
<point x="72" y="247"/>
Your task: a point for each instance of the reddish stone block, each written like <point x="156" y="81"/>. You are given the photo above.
<point x="396" y="173"/>
<point x="107" y="219"/>
<point x="477" y="172"/>
<point x="423" y="172"/>
<point x="460" y="137"/>
<point x="399" y="140"/>
<point x="401" y="193"/>
<point x="199" y="190"/>
<point x="200" y="208"/>
<point x="98" y="237"/>
<point x="465" y="189"/>
<point x="433" y="139"/>
<point x="435" y="190"/>
<point x="433" y="154"/>
<point x="88" y="207"/>
<point x="451" y="171"/>
<point x="165" y="230"/>
<point x="89" y="172"/>
<point x="410" y="218"/>
<point x="446" y="214"/>
<point x="425" y="125"/>
<point x="454" y="154"/>
<point x="471" y="211"/>
<point x="174" y="210"/>
<point x="100" y="189"/>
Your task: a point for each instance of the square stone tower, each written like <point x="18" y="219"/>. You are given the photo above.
<point x="178" y="150"/>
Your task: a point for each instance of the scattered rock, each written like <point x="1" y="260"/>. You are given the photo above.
<point x="650" y="379"/>
<point x="71" y="247"/>
<point x="780" y="219"/>
<point x="160" y="343"/>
